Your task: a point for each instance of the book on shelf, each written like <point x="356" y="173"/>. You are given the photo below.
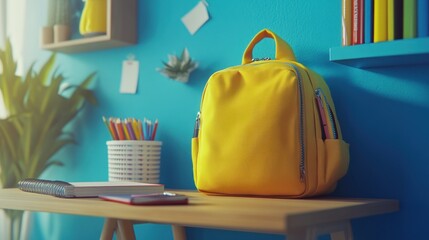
<point x="394" y="19"/>
<point x="368" y="21"/>
<point x="391" y="20"/>
<point x="380" y="20"/>
<point x="86" y="189"/>
<point x="410" y="19"/>
<point x="399" y="16"/>
<point x="358" y="22"/>
<point x="346" y="22"/>
<point x="423" y="18"/>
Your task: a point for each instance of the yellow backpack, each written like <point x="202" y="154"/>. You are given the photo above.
<point x="268" y="128"/>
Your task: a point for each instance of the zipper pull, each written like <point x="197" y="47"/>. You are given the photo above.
<point x="197" y="125"/>
<point x="326" y="114"/>
<point x="322" y="114"/>
<point x="302" y="174"/>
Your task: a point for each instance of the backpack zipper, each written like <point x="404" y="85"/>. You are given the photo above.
<point x="260" y="59"/>
<point x="322" y="97"/>
<point x="322" y="114"/>
<point x="302" y="173"/>
<point x="332" y="120"/>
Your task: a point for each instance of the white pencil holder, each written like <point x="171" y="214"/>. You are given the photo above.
<point x="137" y="161"/>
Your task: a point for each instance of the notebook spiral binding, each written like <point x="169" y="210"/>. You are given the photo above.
<point x="49" y="187"/>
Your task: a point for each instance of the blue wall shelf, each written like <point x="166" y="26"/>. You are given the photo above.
<point x="383" y="54"/>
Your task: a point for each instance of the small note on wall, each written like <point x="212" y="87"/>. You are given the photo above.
<point x="130" y="76"/>
<point x="196" y="18"/>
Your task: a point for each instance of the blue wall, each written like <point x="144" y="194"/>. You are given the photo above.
<point x="383" y="112"/>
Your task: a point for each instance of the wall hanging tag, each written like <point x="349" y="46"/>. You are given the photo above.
<point x="130" y="75"/>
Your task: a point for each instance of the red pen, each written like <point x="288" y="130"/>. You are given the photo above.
<point x="113" y="129"/>
<point x="154" y="130"/>
<point x="120" y="130"/>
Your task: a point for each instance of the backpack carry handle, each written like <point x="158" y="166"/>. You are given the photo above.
<point x="283" y="50"/>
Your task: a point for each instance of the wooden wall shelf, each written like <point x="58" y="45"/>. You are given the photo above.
<point x="121" y="30"/>
<point x="383" y="54"/>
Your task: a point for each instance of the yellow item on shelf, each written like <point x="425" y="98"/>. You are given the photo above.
<point x="380" y="20"/>
<point x="94" y="18"/>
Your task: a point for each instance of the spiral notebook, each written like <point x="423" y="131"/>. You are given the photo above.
<point x="86" y="189"/>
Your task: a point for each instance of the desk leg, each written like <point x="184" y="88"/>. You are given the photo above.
<point x="179" y="232"/>
<point x="337" y="230"/>
<point x="344" y="232"/>
<point x="108" y="229"/>
<point x="300" y="234"/>
<point x="125" y="230"/>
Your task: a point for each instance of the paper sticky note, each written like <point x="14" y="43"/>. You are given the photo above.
<point x="129" y="78"/>
<point x="196" y="18"/>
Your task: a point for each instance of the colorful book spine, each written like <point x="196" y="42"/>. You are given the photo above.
<point x="398" y="21"/>
<point x="346" y="22"/>
<point x="357" y="22"/>
<point x="391" y="20"/>
<point x="410" y="19"/>
<point x="380" y="20"/>
<point x="369" y="21"/>
<point x="422" y="18"/>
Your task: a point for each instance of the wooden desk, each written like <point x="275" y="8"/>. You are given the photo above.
<point x="299" y="219"/>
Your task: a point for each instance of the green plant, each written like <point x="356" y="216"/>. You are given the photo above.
<point x="38" y="108"/>
<point x="38" y="113"/>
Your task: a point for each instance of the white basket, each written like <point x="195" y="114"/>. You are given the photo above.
<point x="137" y="161"/>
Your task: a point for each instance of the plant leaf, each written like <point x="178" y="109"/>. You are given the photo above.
<point x="46" y="69"/>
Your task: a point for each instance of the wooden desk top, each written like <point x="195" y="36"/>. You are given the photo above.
<point x="235" y="213"/>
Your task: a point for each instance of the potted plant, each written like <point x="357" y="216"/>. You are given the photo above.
<point x="62" y="29"/>
<point x="38" y="108"/>
<point x="47" y="35"/>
